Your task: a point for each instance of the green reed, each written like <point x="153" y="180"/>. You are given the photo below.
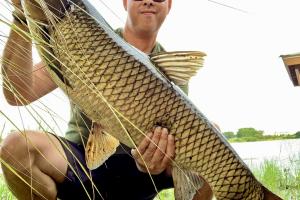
<point x="282" y="179"/>
<point x="5" y="194"/>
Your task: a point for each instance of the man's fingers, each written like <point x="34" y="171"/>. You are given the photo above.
<point x="16" y="3"/>
<point x="161" y="147"/>
<point x="18" y="6"/>
<point x="137" y="153"/>
<point x="153" y="144"/>
<point x="170" y="151"/>
<point x="157" y="153"/>
<point x="145" y="143"/>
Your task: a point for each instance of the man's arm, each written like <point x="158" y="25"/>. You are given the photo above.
<point x="23" y="82"/>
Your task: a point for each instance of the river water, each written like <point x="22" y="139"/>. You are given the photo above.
<point x="283" y="151"/>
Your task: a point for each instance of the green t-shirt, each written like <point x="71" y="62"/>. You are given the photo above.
<point x="79" y="124"/>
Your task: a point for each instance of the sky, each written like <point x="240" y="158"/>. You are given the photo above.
<point x="243" y="83"/>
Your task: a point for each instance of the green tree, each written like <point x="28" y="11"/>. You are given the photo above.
<point x="229" y="134"/>
<point x="297" y="134"/>
<point x="249" y="132"/>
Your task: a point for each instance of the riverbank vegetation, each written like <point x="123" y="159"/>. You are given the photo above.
<point x="282" y="179"/>
<point x="4" y="192"/>
<point x="253" y="135"/>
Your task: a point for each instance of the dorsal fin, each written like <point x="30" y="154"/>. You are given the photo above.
<point x="179" y="66"/>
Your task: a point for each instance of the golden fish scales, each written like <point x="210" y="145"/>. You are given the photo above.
<point x="118" y="87"/>
<point x="143" y="99"/>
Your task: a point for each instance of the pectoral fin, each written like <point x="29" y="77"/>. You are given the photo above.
<point x="186" y="184"/>
<point x="179" y="66"/>
<point x="100" y="146"/>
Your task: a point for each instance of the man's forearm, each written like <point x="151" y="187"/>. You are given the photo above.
<point x="17" y="65"/>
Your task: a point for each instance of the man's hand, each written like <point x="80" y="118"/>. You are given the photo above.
<point x="36" y="12"/>
<point x="155" y="151"/>
<point x="18" y="10"/>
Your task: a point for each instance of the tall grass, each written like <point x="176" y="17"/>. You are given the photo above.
<point x="165" y="195"/>
<point x="284" y="180"/>
<point x="5" y="194"/>
<point x="280" y="176"/>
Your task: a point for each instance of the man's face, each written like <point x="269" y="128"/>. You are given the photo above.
<point x="146" y="15"/>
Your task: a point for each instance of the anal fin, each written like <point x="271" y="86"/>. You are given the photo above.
<point x="186" y="183"/>
<point x="100" y="146"/>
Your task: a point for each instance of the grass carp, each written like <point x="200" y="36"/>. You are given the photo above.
<point x="125" y="91"/>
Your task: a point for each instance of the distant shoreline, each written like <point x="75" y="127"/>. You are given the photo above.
<point x="264" y="138"/>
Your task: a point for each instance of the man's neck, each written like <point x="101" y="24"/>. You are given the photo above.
<point x="143" y="41"/>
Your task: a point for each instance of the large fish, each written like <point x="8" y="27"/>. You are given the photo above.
<point x="125" y="91"/>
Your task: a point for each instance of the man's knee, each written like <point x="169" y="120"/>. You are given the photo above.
<point x="15" y="149"/>
<point x="19" y="152"/>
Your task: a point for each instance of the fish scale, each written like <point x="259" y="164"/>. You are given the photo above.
<point x="108" y="80"/>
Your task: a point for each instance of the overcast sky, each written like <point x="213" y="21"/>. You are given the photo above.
<point x="243" y="82"/>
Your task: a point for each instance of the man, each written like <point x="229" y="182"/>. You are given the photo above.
<point x="44" y="164"/>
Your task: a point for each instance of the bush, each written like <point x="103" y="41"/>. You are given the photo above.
<point x="249" y="132"/>
<point x="229" y="135"/>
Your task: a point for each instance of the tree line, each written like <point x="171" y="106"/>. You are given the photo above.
<point x="251" y="134"/>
